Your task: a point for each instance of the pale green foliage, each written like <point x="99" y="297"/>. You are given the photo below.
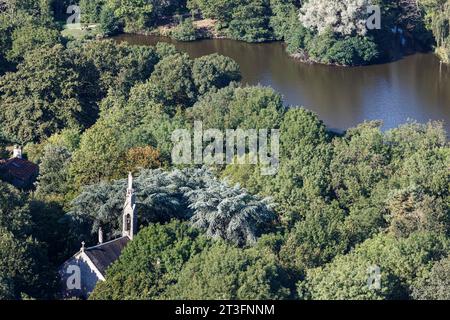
<point x="399" y="260"/>
<point x="214" y="71"/>
<point x="223" y="212"/>
<point x="229" y="213"/>
<point x="346" y="17"/>
<point x="52" y="89"/>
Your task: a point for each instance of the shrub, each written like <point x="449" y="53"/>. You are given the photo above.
<point x="185" y="31"/>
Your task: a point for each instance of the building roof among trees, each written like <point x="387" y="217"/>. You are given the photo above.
<point x="103" y="255"/>
<point x="19" y="169"/>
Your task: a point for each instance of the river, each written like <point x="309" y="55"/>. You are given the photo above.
<point x="416" y="87"/>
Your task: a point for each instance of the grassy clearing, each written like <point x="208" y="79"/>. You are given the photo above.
<point x="80" y="31"/>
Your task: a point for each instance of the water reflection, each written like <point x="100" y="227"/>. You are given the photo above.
<point x="416" y="87"/>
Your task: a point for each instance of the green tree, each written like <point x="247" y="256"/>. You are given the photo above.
<point x="224" y="212"/>
<point x="280" y="19"/>
<point x="317" y="239"/>
<point x="434" y="284"/>
<point x="53" y="181"/>
<point x="359" y="162"/>
<point x="51" y="90"/>
<point x="91" y="10"/>
<point x="136" y="14"/>
<point x="251" y="22"/>
<point x="14" y="211"/>
<point x="304" y="173"/>
<point x="121" y="66"/>
<point x="215" y="9"/>
<point x="151" y="263"/>
<point x="400" y="262"/>
<point x="24" y="263"/>
<point x="227" y="273"/>
<point x="30" y="37"/>
<point x="109" y="24"/>
<point x="412" y="210"/>
<point x="139" y="15"/>
<point x="214" y="71"/>
<point x="171" y="83"/>
<point x="185" y="31"/>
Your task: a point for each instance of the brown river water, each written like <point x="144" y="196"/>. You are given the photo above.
<point x="416" y="87"/>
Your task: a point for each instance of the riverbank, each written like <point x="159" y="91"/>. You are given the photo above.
<point x="414" y="87"/>
<point x="202" y="29"/>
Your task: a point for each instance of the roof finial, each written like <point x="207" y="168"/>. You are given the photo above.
<point x="82" y="246"/>
<point x="100" y="235"/>
<point x="130" y="181"/>
<point x="17" y="152"/>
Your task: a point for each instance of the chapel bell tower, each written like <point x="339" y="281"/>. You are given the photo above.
<point x="129" y="224"/>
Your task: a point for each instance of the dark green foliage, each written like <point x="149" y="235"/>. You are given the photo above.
<point x="151" y="264"/>
<point x="53" y="171"/>
<point x="24" y="261"/>
<point x="120" y="66"/>
<point x="139" y="15"/>
<point x="185" y="31"/>
<point x="51" y="90"/>
<point x="342" y="203"/>
<point x="109" y="24"/>
<point x="326" y="48"/>
<point x="14" y="211"/>
<point x="240" y="19"/>
<point x="226" y="273"/>
<point x="284" y="13"/>
<point x="171" y="83"/>
<point x="191" y="194"/>
<point x="215" y="9"/>
<point x="214" y="71"/>
<point x="400" y="262"/>
<point x="250" y="22"/>
<point x="30" y="37"/>
<point x="23" y="31"/>
<point x="352" y="51"/>
<point x="434" y="284"/>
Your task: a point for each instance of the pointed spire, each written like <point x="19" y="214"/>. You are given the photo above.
<point x="17" y="152"/>
<point x="129" y="221"/>
<point x="100" y="235"/>
<point x="82" y="246"/>
<point x="130" y="182"/>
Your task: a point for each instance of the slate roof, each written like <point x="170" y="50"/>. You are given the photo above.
<point x="104" y="254"/>
<point x="22" y="170"/>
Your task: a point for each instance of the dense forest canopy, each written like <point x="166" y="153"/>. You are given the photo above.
<point x="344" y="32"/>
<point x="90" y="111"/>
